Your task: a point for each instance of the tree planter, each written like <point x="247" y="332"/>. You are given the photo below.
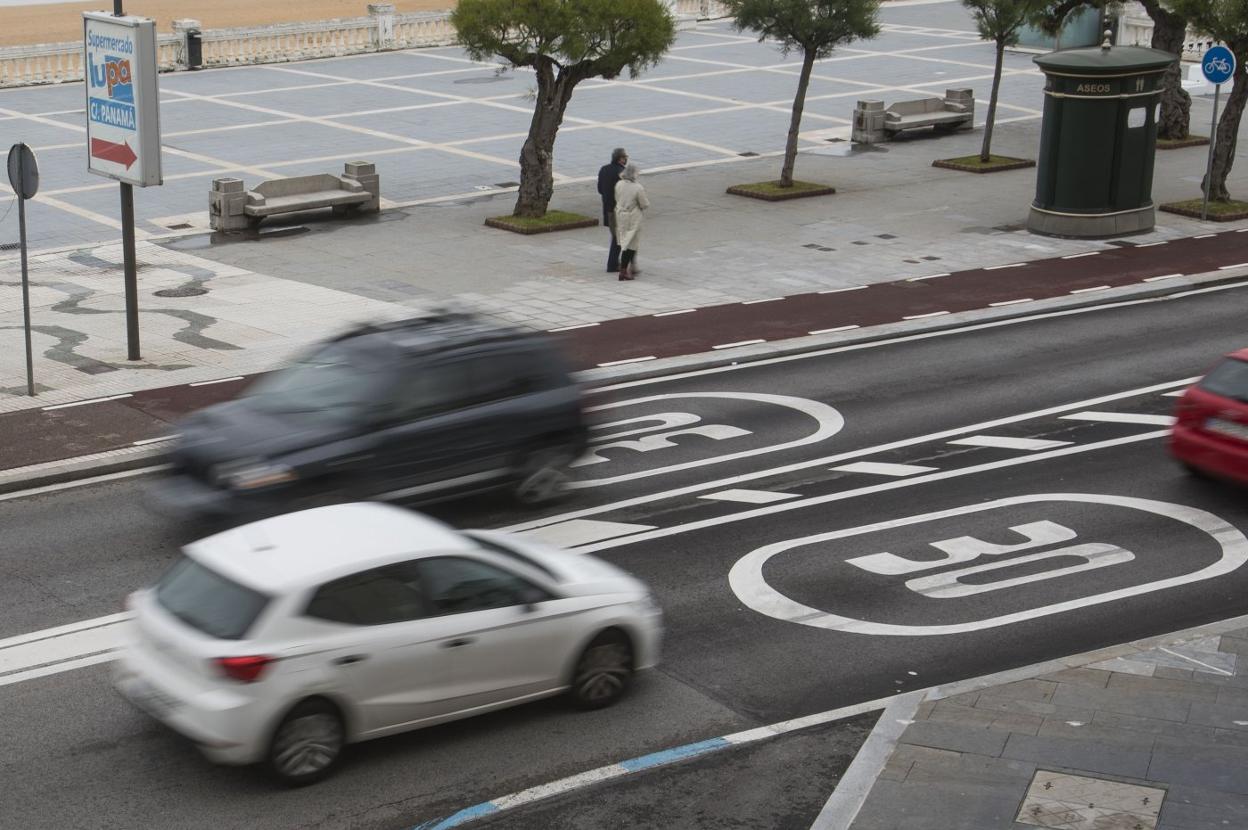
<point x="773" y="192"/>
<point x="995" y="164"/>
<point x="1180" y="143"/>
<point x="554" y="220"/>
<point x="1232" y="211"/>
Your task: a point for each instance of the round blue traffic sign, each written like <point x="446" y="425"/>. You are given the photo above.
<point x="1218" y="65"/>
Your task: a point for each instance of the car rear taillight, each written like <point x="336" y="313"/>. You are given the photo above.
<point x="243" y="669"/>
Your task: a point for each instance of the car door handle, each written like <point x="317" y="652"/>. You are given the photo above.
<point x="461" y="641"/>
<point x="349" y="659"/>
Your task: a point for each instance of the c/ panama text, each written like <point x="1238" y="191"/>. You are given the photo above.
<point x="115" y="44"/>
<point x="112" y="114"/>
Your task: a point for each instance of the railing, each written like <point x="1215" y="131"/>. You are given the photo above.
<point x="382" y="29"/>
<point x="1135" y="28"/>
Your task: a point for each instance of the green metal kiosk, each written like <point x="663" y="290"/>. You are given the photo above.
<point x="1094" y="175"/>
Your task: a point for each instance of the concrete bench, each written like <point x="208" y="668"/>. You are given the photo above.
<point x="873" y="122"/>
<point x="232" y="208"/>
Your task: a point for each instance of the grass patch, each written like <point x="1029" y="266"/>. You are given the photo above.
<point x="1180" y="143"/>
<point x="1231" y="211"/>
<point x="994" y="164"/>
<point x="773" y="192"/>
<point x="554" y="220"/>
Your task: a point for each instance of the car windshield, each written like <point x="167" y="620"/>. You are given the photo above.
<point x="1228" y="379"/>
<point x="329" y="386"/>
<point x="207" y="601"/>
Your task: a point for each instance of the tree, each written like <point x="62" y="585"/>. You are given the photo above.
<point x="999" y="21"/>
<point x="1169" y="32"/>
<point x="815" y="27"/>
<point x="564" y="42"/>
<point x="1226" y="21"/>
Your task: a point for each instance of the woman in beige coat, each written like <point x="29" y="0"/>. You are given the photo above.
<point x="630" y="201"/>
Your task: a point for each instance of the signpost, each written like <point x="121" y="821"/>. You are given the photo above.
<point x="24" y="179"/>
<point x="1218" y="65"/>
<point x="123" y="124"/>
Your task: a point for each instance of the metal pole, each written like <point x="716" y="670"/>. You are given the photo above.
<point x="130" y="260"/>
<point x="21" y="225"/>
<point x="1213" y="145"/>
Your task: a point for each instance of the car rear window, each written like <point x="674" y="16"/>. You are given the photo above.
<point x="511" y="553"/>
<point x="1228" y="379"/>
<point x="209" y="602"/>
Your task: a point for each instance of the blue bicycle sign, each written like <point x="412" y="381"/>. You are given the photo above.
<point x="1218" y="65"/>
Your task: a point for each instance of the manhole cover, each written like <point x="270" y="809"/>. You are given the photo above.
<point x="184" y="291"/>
<point x="1076" y="802"/>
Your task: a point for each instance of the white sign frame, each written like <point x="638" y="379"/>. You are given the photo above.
<point x="122" y="99"/>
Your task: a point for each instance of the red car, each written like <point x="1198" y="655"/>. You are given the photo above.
<point x="1210" y="434"/>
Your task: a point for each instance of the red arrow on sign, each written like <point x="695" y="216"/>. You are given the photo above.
<point x="116" y="153"/>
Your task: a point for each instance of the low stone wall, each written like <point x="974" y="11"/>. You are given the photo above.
<point x="382" y="29"/>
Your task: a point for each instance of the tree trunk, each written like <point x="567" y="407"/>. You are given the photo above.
<point x="537" y="156"/>
<point x="795" y="123"/>
<point x="1228" y="131"/>
<point x="985" y="152"/>
<point x="1169" y="32"/>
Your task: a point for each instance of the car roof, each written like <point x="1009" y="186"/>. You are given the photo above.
<point x="303" y="549"/>
<point x="432" y="332"/>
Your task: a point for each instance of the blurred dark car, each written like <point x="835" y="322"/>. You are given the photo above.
<point x="1210" y="433"/>
<point x="417" y="410"/>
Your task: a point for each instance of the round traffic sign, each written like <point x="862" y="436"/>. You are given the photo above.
<point x="1218" y="65"/>
<point x="23" y="171"/>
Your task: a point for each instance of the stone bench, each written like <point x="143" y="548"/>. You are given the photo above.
<point x="873" y="122"/>
<point x="232" y="208"/>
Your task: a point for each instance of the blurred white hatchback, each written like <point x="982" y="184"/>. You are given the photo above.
<point x="283" y="640"/>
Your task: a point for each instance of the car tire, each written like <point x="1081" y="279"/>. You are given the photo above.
<point x="603" y="672"/>
<point x="542" y="476"/>
<point x="1195" y="472"/>
<point x="307" y="744"/>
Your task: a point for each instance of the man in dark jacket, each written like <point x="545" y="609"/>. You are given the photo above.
<point x="608" y="175"/>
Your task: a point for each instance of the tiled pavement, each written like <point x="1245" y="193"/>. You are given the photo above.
<point x="1142" y="736"/>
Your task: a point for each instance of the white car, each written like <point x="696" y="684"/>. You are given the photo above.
<point x="283" y="640"/>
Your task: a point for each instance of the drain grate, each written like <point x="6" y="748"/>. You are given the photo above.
<point x="181" y="226"/>
<point x="10" y="246"/>
<point x="184" y="291"/>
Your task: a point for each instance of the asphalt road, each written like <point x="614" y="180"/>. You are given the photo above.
<point x="798" y="573"/>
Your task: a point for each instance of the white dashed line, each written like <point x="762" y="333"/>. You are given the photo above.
<point x="928" y="277"/>
<point x="219" y="380"/>
<point x="582" y="532"/>
<point x="673" y="313"/>
<point x="1121" y="418"/>
<point x="756" y="302"/>
<point x="629" y="360"/>
<point x="734" y="345"/>
<point x="570" y="328"/>
<point x="1162" y="277"/>
<point x="152" y="440"/>
<point x="833" y="330"/>
<point x="1176" y="393"/>
<point x="921" y="316"/>
<point x="839" y="290"/>
<point x="749" y="496"/>
<point x="1150" y="244"/>
<point x="1011" y="302"/>
<point x="1093" y="288"/>
<point x="882" y="469"/>
<point x="1006" y="443"/>
<point x="84" y="403"/>
<point x="999" y="267"/>
<point x="1229" y="267"/>
<point x="1077" y="256"/>
<point x="1205" y="236"/>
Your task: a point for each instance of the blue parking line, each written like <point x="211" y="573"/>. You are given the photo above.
<point x="466" y="814"/>
<point x="655" y="759"/>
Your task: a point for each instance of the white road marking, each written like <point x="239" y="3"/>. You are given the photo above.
<point x="147" y="441"/>
<point x="999" y="267"/>
<point x="750" y="586"/>
<point x="948" y="585"/>
<point x="1236" y="265"/>
<point x="1078" y="256"/>
<point x="740" y="343"/>
<point x="835" y="329"/>
<point x="1205" y="236"/>
<point x="756" y="302"/>
<point x="1175" y="394"/>
<point x="84" y="403"/>
<point x="1011" y="302"/>
<point x="82" y="482"/>
<point x="1151" y="244"/>
<point x="629" y="360"/>
<point x="1121" y="418"/>
<point x="577" y="326"/>
<point x="923" y="316"/>
<point x="928" y="277"/>
<point x="673" y="313"/>
<point x="842" y="290"/>
<point x="1162" y="277"/>
<point x="582" y="531"/>
<point x="749" y="496"/>
<point x="1007" y="443"/>
<point x="219" y="380"/>
<point x="1093" y="288"/>
<point x="1207" y="666"/>
<point x="878" y="468"/>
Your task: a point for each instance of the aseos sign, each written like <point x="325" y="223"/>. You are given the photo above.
<point x="123" y="119"/>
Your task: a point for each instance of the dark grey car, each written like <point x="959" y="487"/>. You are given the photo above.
<point x="418" y="410"/>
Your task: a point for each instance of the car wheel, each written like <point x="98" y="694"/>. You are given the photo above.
<point x="603" y="672"/>
<point x="542" y="477"/>
<point x="307" y="743"/>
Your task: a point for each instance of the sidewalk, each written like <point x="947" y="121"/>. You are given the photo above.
<point x="1152" y="734"/>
